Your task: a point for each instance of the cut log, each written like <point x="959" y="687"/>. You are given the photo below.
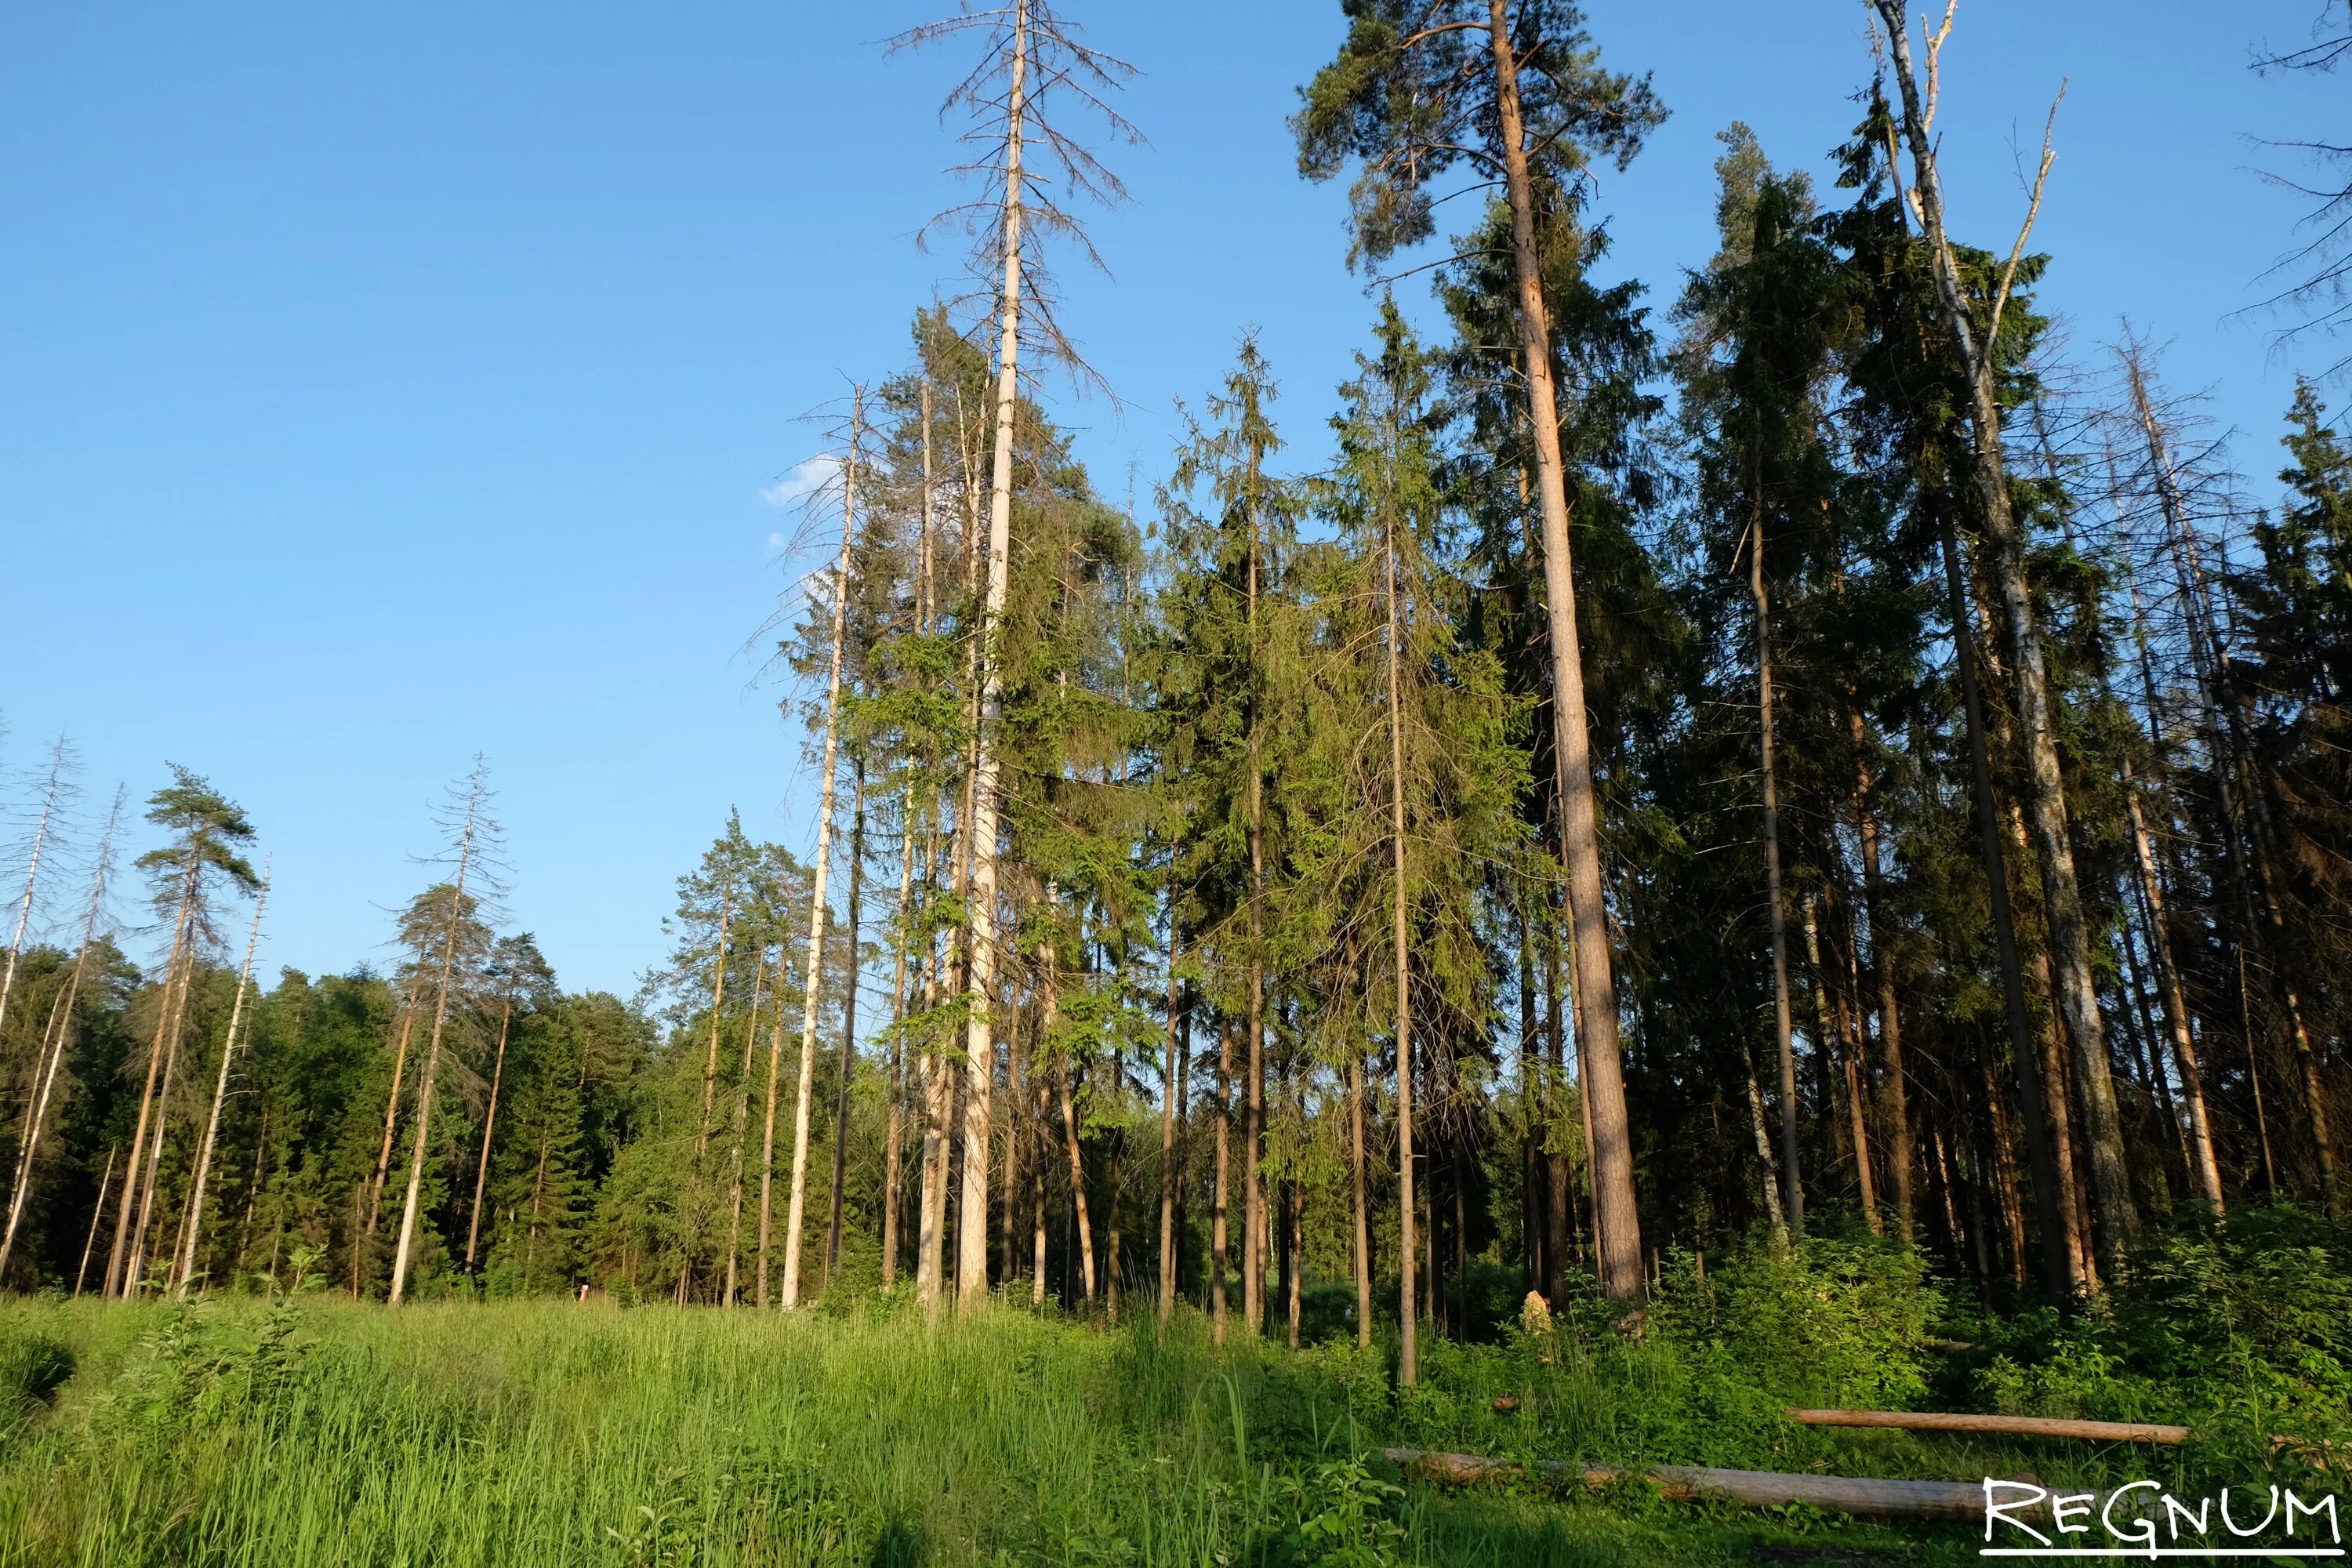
<point x="2006" y="1426"/>
<point x="1860" y="1496"/>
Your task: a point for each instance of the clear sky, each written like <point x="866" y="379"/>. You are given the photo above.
<point x="378" y="385"/>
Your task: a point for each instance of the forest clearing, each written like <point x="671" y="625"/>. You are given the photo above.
<point x="1748" y="871"/>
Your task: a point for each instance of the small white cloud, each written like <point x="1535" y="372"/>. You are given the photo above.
<point x="777" y="542"/>
<point x="806" y="480"/>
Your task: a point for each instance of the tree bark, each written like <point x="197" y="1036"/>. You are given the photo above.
<point x="184" y="1271"/>
<point x="1616" y="1218"/>
<point x="796" y="1205"/>
<point x="2045" y="791"/>
<point x="1792" y="1197"/>
<point x="119" y="1281"/>
<point x="979" y="1031"/>
<point x="54" y="1036"/>
<point x="433" y="1055"/>
<point x="1407" y="1347"/>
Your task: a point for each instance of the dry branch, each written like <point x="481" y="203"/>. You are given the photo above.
<point x="2010" y="1425"/>
<point x="1860" y="1495"/>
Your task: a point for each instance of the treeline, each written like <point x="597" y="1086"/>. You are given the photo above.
<point x="1836" y="756"/>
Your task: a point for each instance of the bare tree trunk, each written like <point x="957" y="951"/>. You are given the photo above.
<point x="813" y="969"/>
<point x="768" y="1133"/>
<point x="186" y="1267"/>
<point x="56" y="1036"/>
<point x="1772" y="1183"/>
<point x="979" y="1031"/>
<point x="391" y="1108"/>
<point x="32" y="872"/>
<point x="2206" y="1168"/>
<point x="1253" y="1207"/>
<point x="1617" y="1221"/>
<point x="2045" y="791"/>
<point x="1776" y="909"/>
<point x="90" y="1243"/>
<point x="848" y="1022"/>
<point x="1407" y="1354"/>
<point x="143" y="1237"/>
<point x="120" y="1281"/>
<point x="432" y="1050"/>
<point x="1077" y="1174"/>
<point x="489" y="1130"/>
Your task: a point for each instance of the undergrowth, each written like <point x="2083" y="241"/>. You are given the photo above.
<point x="317" y="1431"/>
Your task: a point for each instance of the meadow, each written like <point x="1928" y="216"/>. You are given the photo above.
<point x="304" y="1428"/>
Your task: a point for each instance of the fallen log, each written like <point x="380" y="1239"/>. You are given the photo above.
<point x="2007" y="1426"/>
<point x="1859" y="1496"/>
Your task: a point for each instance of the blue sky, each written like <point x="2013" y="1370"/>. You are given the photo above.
<point x="380" y="385"/>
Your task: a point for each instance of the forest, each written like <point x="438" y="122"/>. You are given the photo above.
<point x="1788" y="830"/>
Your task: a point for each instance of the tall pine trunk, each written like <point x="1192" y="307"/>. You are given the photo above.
<point x="1408" y="1358"/>
<point x="1615" y="1216"/>
<point x="812" y="969"/>
<point x="980" y="1030"/>
<point x="1792" y="1197"/>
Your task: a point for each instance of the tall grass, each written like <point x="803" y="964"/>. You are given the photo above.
<point x="529" y="1432"/>
<point x="532" y="1433"/>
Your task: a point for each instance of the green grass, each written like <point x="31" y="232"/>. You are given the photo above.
<point x="319" y="1431"/>
<point x="245" y="1432"/>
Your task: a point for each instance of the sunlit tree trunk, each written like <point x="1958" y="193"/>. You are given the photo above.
<point x="422" y="1147"/>
<point x="391" y="1108"/>
<point x="2067" y="931"/>
<point x="56" y="1036"/>
<point x="1615" y="1218"/>
<point x="1792" y="1197"/>
<point x="813" y="969"/>
<point x="489" y="1130"/>
<point x="1407" y="1345"/>
<point x="980" y="1030"/>
<point x="49" y="793"/>
<point x="767" y="1135"/>
<point x="90" y="1243"/>
<point x="122" y="1279"/>
<point x="184" y="1270"/>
